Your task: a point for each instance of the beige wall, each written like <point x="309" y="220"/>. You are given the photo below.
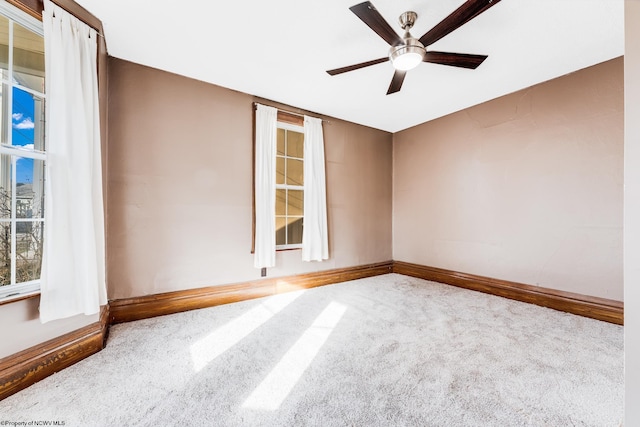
<point x="22" y="328"/>
<point x="21" y="324"/>
<point x="524" y="188"/>
<point x="527" y="187"/>
<point x="632" y="212"/>
<point x="180" y="187"/>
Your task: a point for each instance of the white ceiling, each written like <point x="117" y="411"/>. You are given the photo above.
<point x="280" y="49"/>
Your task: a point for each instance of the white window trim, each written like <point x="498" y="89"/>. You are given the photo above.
<point x="23" y="289"/>
<point x="22" y="18"/>
<point x="19" y="290"/>
<point x="299" y="129"/>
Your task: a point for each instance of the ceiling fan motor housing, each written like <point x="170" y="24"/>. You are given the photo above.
<point x="408" y="55"/>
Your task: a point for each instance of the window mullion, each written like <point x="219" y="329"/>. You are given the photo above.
<point x="31" y="91"/>
<point x="13" y="220"/>
<point x="286" y="191"/>
<point x="21" y="152"/>
<point x="9" y="121"/>
<point x="8" y="117"/>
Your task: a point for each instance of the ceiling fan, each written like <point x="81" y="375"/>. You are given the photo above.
<point x="407" y="52"/>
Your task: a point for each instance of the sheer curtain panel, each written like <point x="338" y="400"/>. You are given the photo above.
<point x="315" y="246"/>
<point x="73" y="266"/>
<point x="265" y="184"/>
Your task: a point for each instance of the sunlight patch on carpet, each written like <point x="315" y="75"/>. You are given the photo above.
<point x="277" y="385"/>
<point x="205" y="350"/>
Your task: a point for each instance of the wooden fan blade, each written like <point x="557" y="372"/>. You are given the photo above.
<point x="370" y="16"/>
<point x="396" y="81"/>
<point x="465" y="13"/>
<point x="357" y="66"/>
<point x="463" y="60"/>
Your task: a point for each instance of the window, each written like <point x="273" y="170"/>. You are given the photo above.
<point x="290" y="207"/>
<point x="289" y="186"/>
<point x="22" y="151"/>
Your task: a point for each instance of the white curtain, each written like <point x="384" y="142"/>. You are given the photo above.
<point x="315" y="246"/>
<point x="265" y="186"/>
<point x="73" y="267"/>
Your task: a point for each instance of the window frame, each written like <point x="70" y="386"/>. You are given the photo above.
<point x="283" y="117"/>
<point x="288" y="126"/>
<point x="16" y="291"/>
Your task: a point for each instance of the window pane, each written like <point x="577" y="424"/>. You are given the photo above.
<point x="5" y="125"/>
<point x="295" y="202"/>
<point x="281" y="230"/>
<point x="28" y="250"/>
<point x="294" y="231"/>
<point x="29" y="188"/>
<point x="281" y="142"/>
<point x="279" y="170"/>
<point x="28" y="58"/>
<point x="295" y="144"/>
<point x="281" y="202"/>
<point x="4" y="45"/>
<point x="5" y="186"/>
<point x="5" y="253"/>
<point x="27" y="120"/>
<point x="295" y="174"/>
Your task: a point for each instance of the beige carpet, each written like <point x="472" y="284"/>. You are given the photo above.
<point x="387" y="350"/>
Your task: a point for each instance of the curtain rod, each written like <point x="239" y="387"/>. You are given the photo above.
<point x="255" y="104"/>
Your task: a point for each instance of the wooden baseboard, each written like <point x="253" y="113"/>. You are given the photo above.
<point x="22" y="369"/>
<point x="27" y="367"/>
<point x="129" y="309"/>
<point x="583" y="305"/>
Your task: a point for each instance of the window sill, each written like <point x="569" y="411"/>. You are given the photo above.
<point x="17" y="292"/>
<point x="19" y="297"/>
<point x="298" y="248"/>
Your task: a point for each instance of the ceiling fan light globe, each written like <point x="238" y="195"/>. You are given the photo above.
<point x="407" y="61"/>
<point x="408" y="56"/>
